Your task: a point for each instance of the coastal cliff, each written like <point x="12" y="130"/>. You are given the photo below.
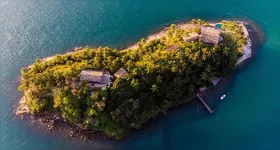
<point x="113" y="91"/>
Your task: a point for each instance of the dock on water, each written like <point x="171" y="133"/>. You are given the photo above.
<point x="205" y="104"/>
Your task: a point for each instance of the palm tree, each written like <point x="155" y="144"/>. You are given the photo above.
<point x="204" y="76"/>
<point x="154" y="88"/>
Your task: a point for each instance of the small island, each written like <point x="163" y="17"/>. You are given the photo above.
<point x="112" y="91"/>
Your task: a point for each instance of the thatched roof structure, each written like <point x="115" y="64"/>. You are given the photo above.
<point x="210" y="35"/>
<point x="173" y="47"/>
<point x="191" y="37"/>
<point x="121" y="72"/>
<point x="95" y="76"/>
<point x="215" y="80"/>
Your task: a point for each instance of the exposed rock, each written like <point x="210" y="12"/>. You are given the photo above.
<point x="50" y="127"/>
<point x="57" y="118"/>
<point x="78" y="48"/>
<point x="71" y="133"/>
<point x="23" y="108"/>
<point x="22" y="100"/>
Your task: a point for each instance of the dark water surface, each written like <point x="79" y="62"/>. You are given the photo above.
<point x="248" y="118"/>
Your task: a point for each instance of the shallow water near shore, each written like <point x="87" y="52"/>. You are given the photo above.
<point x="248" y="118"/>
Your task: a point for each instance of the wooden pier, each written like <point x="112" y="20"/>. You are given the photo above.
<point x="205" y="104"/>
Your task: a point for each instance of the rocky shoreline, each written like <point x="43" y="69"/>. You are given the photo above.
<point x="55" y="123"/>
<point x="51" y="57"/>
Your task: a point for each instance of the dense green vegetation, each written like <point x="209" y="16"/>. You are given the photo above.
<point x="158" y="79"/>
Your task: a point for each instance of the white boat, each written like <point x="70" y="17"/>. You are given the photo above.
<point x="222" y="97"/>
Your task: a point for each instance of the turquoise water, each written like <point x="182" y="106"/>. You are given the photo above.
<point x="248" y="118"/>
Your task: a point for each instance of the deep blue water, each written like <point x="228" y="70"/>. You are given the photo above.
<point x="248" y="118"/>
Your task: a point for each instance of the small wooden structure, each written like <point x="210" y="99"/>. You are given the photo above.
<point x="205" y="104"/>
<point x="201" y="89"/>
<point x="121" y="72"/>
<point x="173" y="47"/>
<point x="96" y="78"/>
<point x="215" y="80"/>
<point x="210" y="35"/>
<point x="193" y="36"/>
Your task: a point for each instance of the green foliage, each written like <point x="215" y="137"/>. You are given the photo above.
<point x="198" y="22"/>
<point x="157" y="79"/>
